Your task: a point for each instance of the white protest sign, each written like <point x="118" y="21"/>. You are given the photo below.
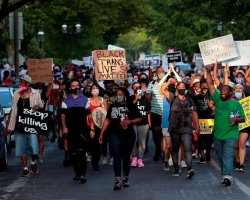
<point x="113" y="47"/>
<point x="243" y="49"/>
<point x="220" y="49"/>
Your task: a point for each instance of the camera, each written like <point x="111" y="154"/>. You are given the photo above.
<point x="139" y="92"/>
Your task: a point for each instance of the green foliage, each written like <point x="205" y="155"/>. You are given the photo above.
<point x="33" y="49"/>
<point x="136" y="41"/>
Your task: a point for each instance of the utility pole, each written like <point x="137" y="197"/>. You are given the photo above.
<point x="16" y="43"/>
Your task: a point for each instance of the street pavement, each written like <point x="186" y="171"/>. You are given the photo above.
<point x="54" y="182"/>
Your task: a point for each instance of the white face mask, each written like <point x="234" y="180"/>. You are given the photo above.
<point x="95" y="92"/>
<point x="238" y="95"/>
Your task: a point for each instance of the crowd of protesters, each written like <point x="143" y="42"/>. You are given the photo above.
<point x="170" y="104"/>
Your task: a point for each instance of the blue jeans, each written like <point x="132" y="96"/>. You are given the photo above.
<point x="225" y="152"/>
<point x="121" y="147"/>
<point x="26" y="143"/>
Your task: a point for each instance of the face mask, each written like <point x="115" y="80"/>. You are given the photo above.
<point x="199" y="71"/>
<point x="239" y="80"/>
<point x="238" y="95"/>
<point x="130" y="80"/>
<point x="161" y="75"/>
<point x="154" y="78"/>
<point x="181" y="91"/>
<point x="177" y="70"/>
<point x="204" y="91"/>
<point x="119" y="99"/>
<point x="135" y="80"/>
<point x="95" y="92"/>
<point x="23" y="87"/>
<point x="143" y="80"/>
<point x="75" y="91"/>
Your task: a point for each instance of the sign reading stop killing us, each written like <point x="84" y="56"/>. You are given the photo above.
<point x="110" y="65"/>
<point x="218" y="49"/>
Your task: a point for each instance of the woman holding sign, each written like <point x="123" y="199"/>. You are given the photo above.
<point x="121" y="117"/>
<point x="98" y="108"/>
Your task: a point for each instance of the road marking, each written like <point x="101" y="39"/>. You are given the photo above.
<point x="20" y="182"/>
<point x="237" y="182"/>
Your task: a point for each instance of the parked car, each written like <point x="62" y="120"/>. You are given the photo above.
<point x="6" y="94"/>
<point x="3" y="142"/>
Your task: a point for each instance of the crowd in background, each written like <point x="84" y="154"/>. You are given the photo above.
<point x="168" y="104"/>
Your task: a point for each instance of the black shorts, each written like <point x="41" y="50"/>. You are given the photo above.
<point x="245" y="130"/>
<point x="156" y="120"/>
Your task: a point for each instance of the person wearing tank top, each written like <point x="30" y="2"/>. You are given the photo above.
<point x="95" y="101"/>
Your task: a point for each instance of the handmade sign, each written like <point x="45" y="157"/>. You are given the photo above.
<point x="243" y="49"/>
<point x="246" y="107"/>
<point x="40" y="70"/>
<point x="110" y="65"/>
<point x="99" y="116"/>
<point x="206" y="126"/>
<point x="218" y="49"/>
<point x="29" y="121"/>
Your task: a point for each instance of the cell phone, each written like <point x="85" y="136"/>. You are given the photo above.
<point x="139" y="92"/>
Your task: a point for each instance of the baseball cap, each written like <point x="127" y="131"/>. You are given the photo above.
<point x="26" y="78"/>
<point x="239" y="71"/>
<point x="230" y="84"/>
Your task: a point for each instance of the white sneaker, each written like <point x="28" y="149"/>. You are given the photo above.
<point x="111" y="161"/>
<point x="105" y="161"/>
<point x="170" y="161"/>
<point x="40" y="159"/>
<point x="88" y="158"/>
<point x="183" y="164"/>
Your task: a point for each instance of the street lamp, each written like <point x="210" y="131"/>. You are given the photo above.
<point x="71" y="32"/>
<point x="219" y="26"/>
<point x="40" y="35"/>
<point x="226" y="27"/>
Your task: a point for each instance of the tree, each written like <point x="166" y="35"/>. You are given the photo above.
<point x="7" y="7"/>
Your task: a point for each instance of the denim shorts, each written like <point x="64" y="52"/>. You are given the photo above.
<point x="26" y="144"/>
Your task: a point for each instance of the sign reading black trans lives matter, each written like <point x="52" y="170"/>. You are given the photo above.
<point x="29" y="121"/>
<point x="110" y="65"/>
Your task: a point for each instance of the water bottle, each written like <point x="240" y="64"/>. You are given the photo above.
<point x="231" y="116"/>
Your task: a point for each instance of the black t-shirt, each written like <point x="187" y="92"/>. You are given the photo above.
<point x="117" y="113"/>
<point x="21" y="104"/>
<point x="144" y="107"/>
<point x="201" y="103"/>
<point x="181" y="115"/>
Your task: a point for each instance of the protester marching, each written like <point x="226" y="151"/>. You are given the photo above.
<point x="108" y="112"/>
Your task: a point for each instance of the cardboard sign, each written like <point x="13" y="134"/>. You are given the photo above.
<point x="243" y="49"/>
<point x="33" y="122"/>
<point x="246" y="107"/>
<point x="206" y="126"/>
<point x="40" y="70"/>
<point x="220" y="49"/>
<point x="174" y="57"/>
<point x="110" y="65"/>
<point x="99" y="116"/>
<point x="155" y="59"/>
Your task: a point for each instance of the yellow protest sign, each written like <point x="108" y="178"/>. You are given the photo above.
<point x="206" y="126"/>
<point x="110" y="65"/>
<point x="246" y="107"/>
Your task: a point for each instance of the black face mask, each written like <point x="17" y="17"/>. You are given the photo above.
<point x="75" y="91"/>
<point x="181" y="91"/>
<point x="142" y="80"/>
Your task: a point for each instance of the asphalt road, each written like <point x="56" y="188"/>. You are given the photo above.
<point x="54" y="182"/>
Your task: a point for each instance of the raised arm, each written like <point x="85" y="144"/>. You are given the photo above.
<point x="210" y="81"/>
<point x="164" y="89"/>
<point x="215" y="74"/>
<point x="226" y="72"/>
